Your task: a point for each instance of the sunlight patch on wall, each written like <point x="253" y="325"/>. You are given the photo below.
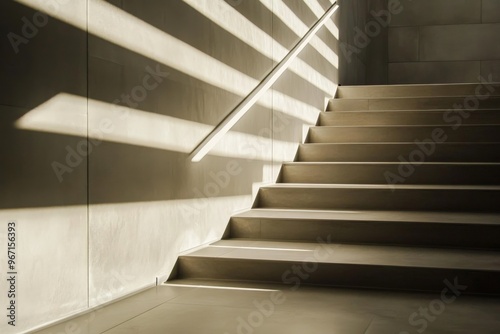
<point x="63" y="10"/>
<point x="63" y="114"/>
<point x="316" y="8"/>
<point x="66" y="114"/>
<point x="121" y="28"/>
<point x="288" y="17"/>
<point x="235" y="23"/>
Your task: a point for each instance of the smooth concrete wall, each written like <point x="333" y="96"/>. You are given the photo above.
<point x="46" y="57"/>
<point x="363" y="26"/>
<point x="98" y="126"/>
<point x="445" y="41"/>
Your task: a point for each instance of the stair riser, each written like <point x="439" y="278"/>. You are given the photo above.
<point x="376" y="174"/>
<point x="414" y="90"/>
<point x="435" y="118"/>
<point x="411" y="104"/>
<point x="341" y="275"/>
<point x="380" y="199"/>
<point x="469" y="134"/>
<point x="398" y="153"/>
<point x="475" y="236"/>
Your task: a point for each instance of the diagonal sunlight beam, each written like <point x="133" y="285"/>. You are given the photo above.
<point x="67" y="114"/>
<point x="67" y="11"/>
<point x="288" y="17"/>
<point x="316" y="8"/>
<point x="121" y="28"/>
<point x="215" y="136"/>
<point x="235" y="23"/>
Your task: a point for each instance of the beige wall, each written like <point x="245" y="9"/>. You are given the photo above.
<point x="45" y="60"/>
<point x="441" y="41"/>
<point x="118" y="117"/>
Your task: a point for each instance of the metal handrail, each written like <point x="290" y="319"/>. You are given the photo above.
<point x="220" y="130"/>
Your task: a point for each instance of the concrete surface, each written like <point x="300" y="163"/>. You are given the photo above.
<point x="444" y="41"/>
<point x="117" y="102"/>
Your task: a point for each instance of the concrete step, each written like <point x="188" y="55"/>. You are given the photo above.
<point x="377" y="173"/>
<point x="436" y="90"/>
<point x="345" y="265"/>
<point x="397" y="188"/>
<point x="408" y="117"/>
<point x="432" y="229"/>
<point x="379" y="197"/>
<point x="397" y="152"/>
<point x="408" y="133"/>
<point x="413" y="103"/>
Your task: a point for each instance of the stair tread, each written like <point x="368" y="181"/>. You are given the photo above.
<point x="463" y="126"/>
<point x="397" y="216"/>
<point x="433" y="97"/>
<point x="420" y="90"/>
<point x="401" y="143"/>
<point x="445" y="163"/>
<point x="459" y="84"/>
<point x="409" y="103"/>
<point x="407" y="111"/>
<point x="335" y="253"/>
<point x="416" y="96"/>
<point x="381" y="186"/>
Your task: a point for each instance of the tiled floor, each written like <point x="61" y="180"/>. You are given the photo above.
<point x="204" y="307"/>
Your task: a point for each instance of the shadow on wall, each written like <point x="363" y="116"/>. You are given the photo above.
<point x="54" y="61"/>
<point x="363" y="42"/>
<point x="97" y="128"/>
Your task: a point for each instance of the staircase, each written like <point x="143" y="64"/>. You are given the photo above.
<point x="393" y="189"/>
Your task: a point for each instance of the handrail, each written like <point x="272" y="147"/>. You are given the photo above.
<point x="220" y="130"/>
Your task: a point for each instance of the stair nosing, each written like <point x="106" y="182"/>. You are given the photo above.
<point x="458" y="84"/>
<point x="394" y="163"/>
<point x="434" y="110"/>
<point x="221" y="258"/>
<point x="402" y="143"/>
<point x="352" y="217"/>
<point x="402" y="98"/>
<point x="380" y="186"/>
<point x="404" y="126"/>
<point x="229" y="256"/>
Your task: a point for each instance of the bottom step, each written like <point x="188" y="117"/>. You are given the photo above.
<point x="345" y="265"/>
<point x="265" y="308"/>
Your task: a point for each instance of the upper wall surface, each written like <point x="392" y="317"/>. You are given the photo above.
<point x="445" y="41"/>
